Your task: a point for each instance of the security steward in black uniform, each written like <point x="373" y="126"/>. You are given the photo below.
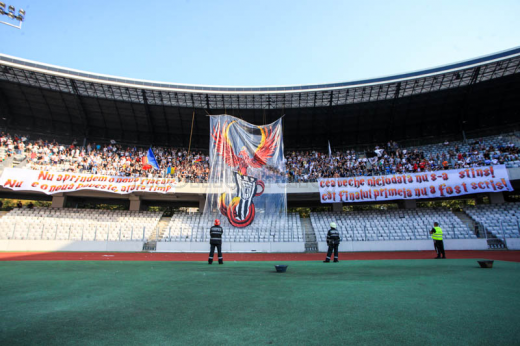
<point x="215" y="233"/>
<point x="333" y="241"/>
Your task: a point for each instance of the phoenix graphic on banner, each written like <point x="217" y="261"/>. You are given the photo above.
<point x="439" y="184"/>
<point x="244" y="160"/>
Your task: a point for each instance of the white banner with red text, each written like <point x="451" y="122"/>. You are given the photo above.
<point x="57" y="182"/>
<point x="439" y="184"/>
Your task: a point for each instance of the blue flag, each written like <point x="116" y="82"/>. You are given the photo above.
<point x="151" y="159"/>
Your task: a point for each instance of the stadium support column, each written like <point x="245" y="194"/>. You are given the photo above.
<point x="135" y="203"/>
<point x="58" y="200"/>
<point x="407" y="204"/>
<point x="496" y="198"/>
<point x="202" y="203"/>
<point x="337" y="207"/>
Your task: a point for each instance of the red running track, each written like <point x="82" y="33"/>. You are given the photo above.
<point x="513" y="256"/>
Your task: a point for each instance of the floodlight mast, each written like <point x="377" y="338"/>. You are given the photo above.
<point x="10" y="12"/>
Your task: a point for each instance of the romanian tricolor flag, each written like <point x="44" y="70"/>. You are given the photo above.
<point x="197" y="160"/>
<point x="146" y="166"/>
<point x="170" y="170"/>
<point x="149" y="161"/>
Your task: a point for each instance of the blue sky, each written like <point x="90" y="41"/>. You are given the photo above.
<point x="262" y="42"/>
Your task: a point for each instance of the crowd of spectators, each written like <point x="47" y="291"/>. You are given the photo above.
<point x="311" y="165"/>
<point x="118" y="160"/>
<point x="107" y="159"/>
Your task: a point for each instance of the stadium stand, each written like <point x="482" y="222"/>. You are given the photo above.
<point x="119" y="160"/>
<point x="479" y="144"/>
<point x="110" y="158"/>
<point x="78" y="224"/>
<point x="500" y="220"/>
<point x="188" y="227"/>
<point x="310" y="166"/>
<point x="122" y="160"/>
<point x="478" y="98"/>
<point x="482" y="151"/>
<point x="390" y="224"/>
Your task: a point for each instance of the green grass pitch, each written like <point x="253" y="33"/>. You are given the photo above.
<point x="393" y="302"/>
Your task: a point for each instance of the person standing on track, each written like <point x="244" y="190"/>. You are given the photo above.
<point x="436" y="233"/>
<point x="215" y="233"/>
<point x="333" y="241"/>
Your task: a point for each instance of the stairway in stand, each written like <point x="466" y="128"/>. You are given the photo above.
<point x="466" y="220"/>
<point x="310" y="237"/>
<point x="162" y="227"/>
<point x="494" y="243"/>
<point x="19" y="161"/>
<point x="6" y="163"/>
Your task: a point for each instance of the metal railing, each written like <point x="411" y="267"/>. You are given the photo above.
<point x="249" y="234"/>
<point x="373" y="231"/>
<point x="38" y="231"/>
<point x="370" y="231"/>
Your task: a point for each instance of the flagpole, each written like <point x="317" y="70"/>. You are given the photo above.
<point x="191" y="133"/>
<point x="330" y="154"/>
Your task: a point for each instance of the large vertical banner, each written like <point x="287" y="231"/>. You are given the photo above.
<point x="247" y="172"/>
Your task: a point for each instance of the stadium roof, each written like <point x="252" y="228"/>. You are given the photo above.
<point x="44" y="98"/>
<point x="461" y="73"/>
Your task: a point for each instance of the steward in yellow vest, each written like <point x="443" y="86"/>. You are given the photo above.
<point x="436" y="233"/>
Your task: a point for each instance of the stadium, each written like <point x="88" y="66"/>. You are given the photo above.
<point x="460" y="103"/>
<point x="84" y="264"/>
